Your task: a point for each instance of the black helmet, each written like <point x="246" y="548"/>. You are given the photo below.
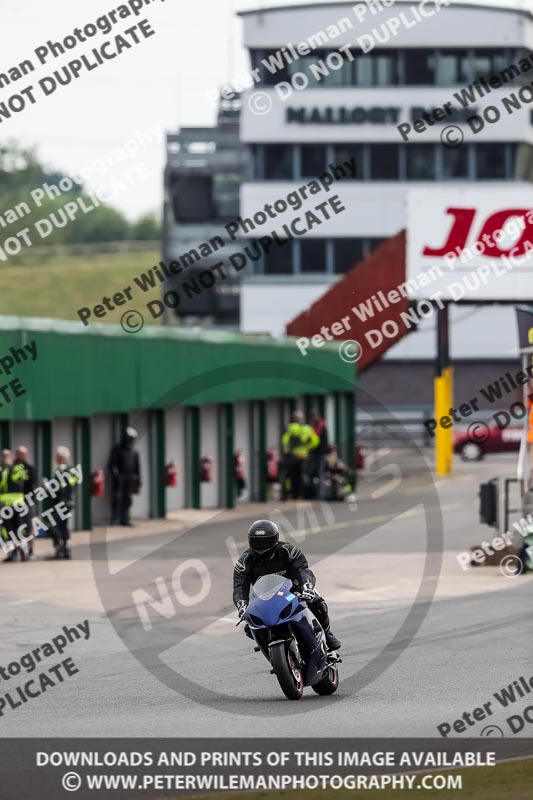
<point x="263" y="537"/>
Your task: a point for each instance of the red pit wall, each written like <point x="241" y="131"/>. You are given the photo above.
<point x="384" y="269"/>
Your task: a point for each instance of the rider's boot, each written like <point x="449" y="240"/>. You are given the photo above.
<point x="331" y="641"/>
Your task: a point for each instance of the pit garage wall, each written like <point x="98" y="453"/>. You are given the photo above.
<point x="112" y="376"/>
<point x="209" y="446"/>
<point x="102" y="439"/>
<point x="242" y="442"/>
<point x="175" y="453"/>
<point x="144" y="502"/>
<point x="157" y="446"/>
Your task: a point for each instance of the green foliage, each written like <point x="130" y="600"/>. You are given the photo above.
<point x="21" y="172"/>
<point x="146" y="229"/>
<point x="103" y="224"/>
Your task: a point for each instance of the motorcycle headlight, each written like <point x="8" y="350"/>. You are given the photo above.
<point x="256" y="620"/>
<point x="287" y="611"/>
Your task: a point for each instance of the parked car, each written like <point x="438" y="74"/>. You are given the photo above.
<point x="479" y="438"/>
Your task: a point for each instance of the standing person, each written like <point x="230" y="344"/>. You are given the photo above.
<point x="60" y="531"/>
<point x="318" y="456"/>
<point x="22" y="457"/>
<point x="125" y="472"/>
<point x="297" y="441"/>
<point x="6" y="462"/>
<point x="14" y="478"/>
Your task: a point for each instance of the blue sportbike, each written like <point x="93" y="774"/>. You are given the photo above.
<point x="291" y="638"/>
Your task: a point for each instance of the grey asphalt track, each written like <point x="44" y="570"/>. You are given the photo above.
<point x="369" y="559"/>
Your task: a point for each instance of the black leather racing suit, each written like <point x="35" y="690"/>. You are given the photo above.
<point x="286" y="560"/>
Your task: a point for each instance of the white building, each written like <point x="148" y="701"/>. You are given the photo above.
<point x="319" y="109"/>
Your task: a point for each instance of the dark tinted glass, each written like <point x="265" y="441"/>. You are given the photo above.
<point x="347" y="253"/>
<point x="384" y="162"/>
<point x="420" y="160"/>
<point x="278" y="162"/>
<point x="313" y="255"/>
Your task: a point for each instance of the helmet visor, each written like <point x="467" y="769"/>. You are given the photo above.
<point x="262" y="544"/>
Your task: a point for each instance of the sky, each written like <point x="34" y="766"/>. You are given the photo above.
<point x="160" y="83"/>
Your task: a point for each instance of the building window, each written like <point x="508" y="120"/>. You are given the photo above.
<point x="274" y="68"/>
<point x="419" y="67"/>
<point x="522" y="162"/>
<point x="488" y="62"/>
<point x="226" y="191"/>
<point x="192" y="198"/>
<point x="385" y="68"/>
<point x="314" y="160"/>
<point x="453" y="68"/>
<point x="312" y="255"/>
<point x="278" y="162"/>
<point x="278" y="261"/>
<point x="371" y="243"/>
<point x="384" y="162"/>
<point x="490" y="161"/>
<point x="420" y="162"/>
<point x="345" y="152"/>
<point x="335" y="70"/>
<point x="347" y="253"/>
<point x="454" y="162"/>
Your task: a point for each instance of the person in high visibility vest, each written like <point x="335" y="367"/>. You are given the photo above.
<point x="22" y="457"/>
<point x="296" y="443"/>
<point x="13" y="480"/>
<point x="6" y="462"/>
<point x="60" y="531"/>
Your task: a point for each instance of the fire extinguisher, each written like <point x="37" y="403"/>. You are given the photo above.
<point x="98" y="479"/>
<point x="239" y="465"/>
<point x="171" y="474"/>
<point x="238" y="460"/>
<point x="272" y="465"/>
<point x="205" y="469"/>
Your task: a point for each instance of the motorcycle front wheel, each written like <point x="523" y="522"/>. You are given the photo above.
<point x="287" y="671"/>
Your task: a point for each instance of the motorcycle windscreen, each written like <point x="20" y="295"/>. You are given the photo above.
<point x="270" y="585"/>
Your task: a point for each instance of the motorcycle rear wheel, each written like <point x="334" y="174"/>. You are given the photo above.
<point x="287" y="671"/>
<point x="329" y="683"/>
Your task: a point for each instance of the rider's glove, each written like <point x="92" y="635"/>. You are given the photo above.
<point x="308" y="592"/>
<point x="242" y="605"/>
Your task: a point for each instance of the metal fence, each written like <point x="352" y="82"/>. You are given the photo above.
<point x="404" y="429"/>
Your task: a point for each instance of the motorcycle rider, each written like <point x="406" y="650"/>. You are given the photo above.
<point x="266" y="555"/>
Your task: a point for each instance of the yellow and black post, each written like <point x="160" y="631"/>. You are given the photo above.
<point x="443" y="395"/>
